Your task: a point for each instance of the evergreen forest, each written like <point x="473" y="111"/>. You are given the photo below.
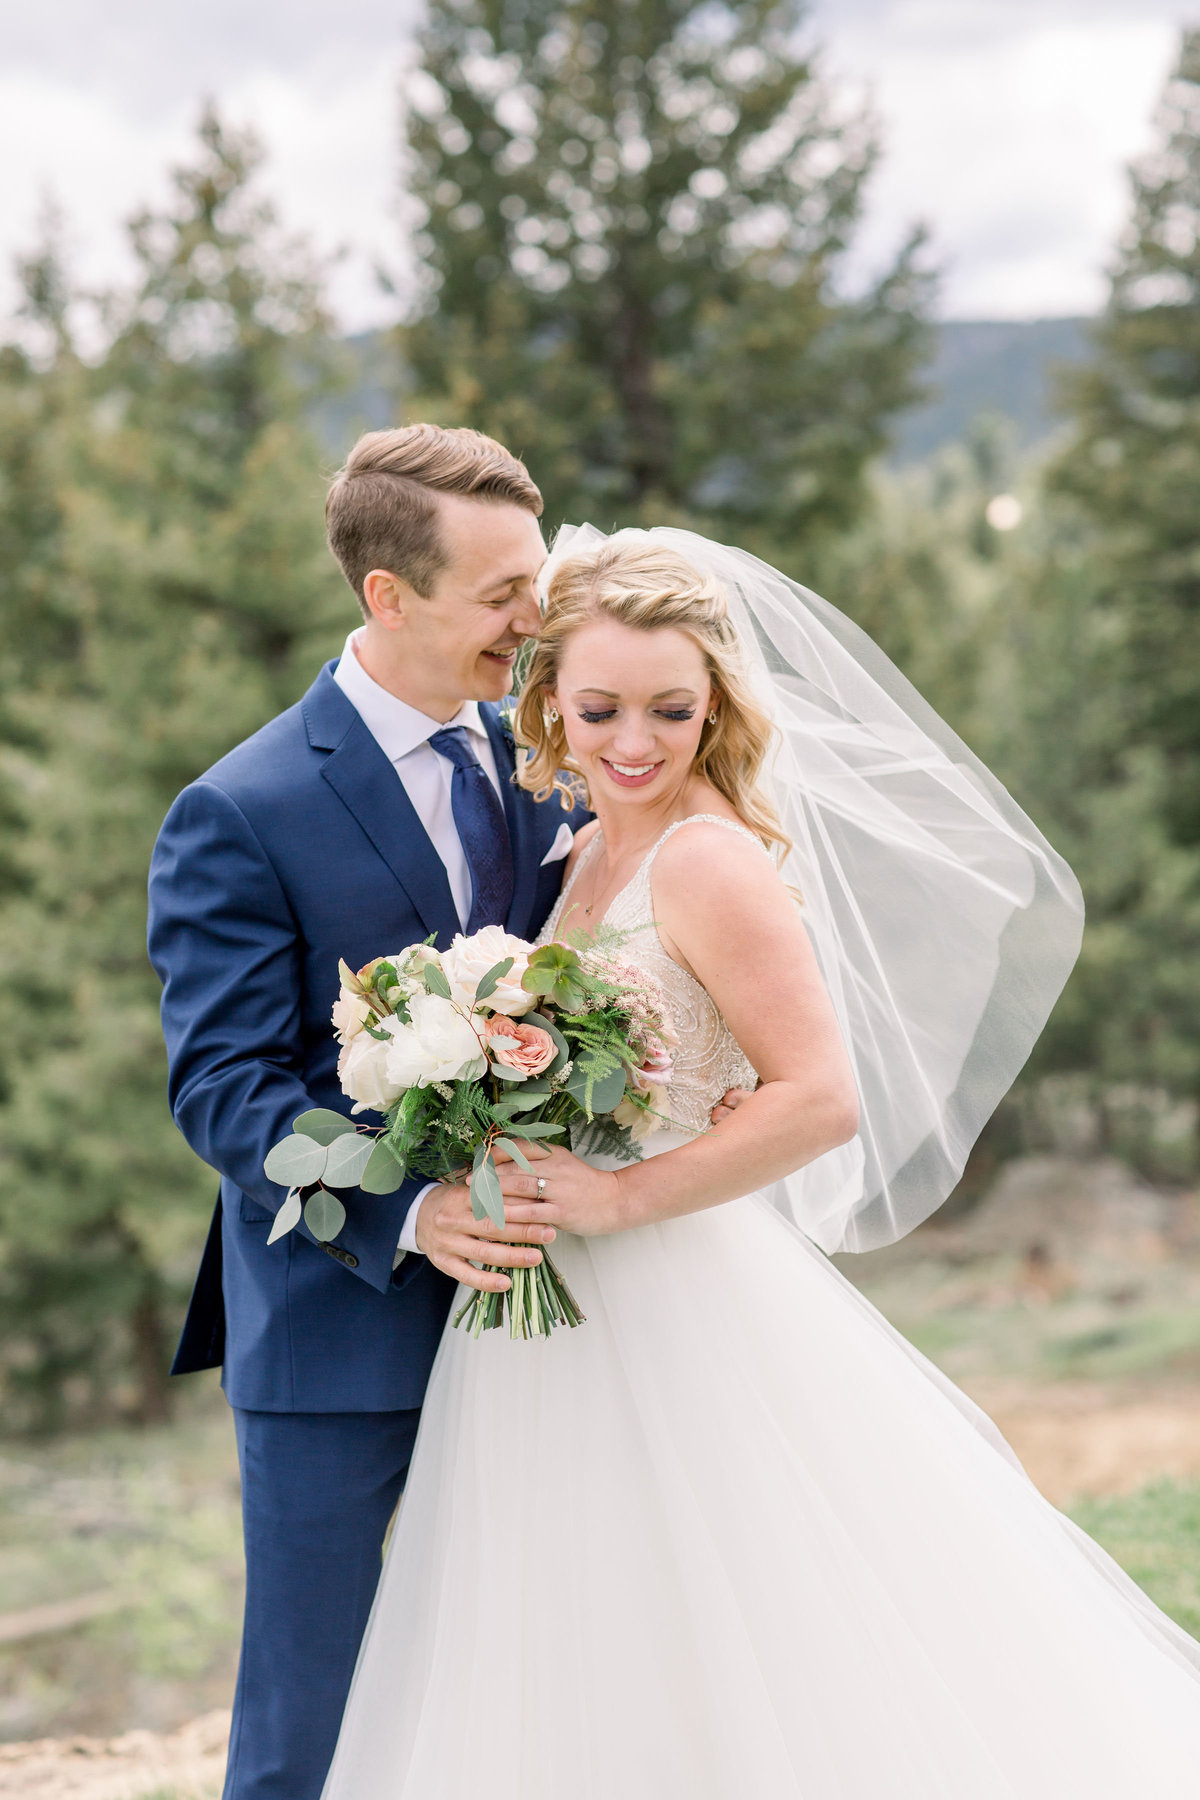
<point x="631" y="236"/>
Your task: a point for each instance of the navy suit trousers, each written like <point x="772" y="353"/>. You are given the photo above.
<point x="318" y="1490"/>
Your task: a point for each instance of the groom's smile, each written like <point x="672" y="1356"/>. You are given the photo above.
<point x="458" y="641"/>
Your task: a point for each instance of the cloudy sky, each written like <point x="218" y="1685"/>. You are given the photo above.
<point x="1007" y="125"/>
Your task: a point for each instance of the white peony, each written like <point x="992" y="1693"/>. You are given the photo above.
<point x="438" y="1045"/>
<point x="468" y="960"/>
<point x="363" y="1072"/>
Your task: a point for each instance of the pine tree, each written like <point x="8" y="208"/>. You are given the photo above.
<point x="182" y="558"/>
<point x="1134" y="463"/>
<point x="635" y="219"/>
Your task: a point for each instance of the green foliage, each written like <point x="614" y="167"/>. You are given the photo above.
<point x="1128" y="625"/>
<point x="634" y="223"/>
<point x="1134" y="463"/>
<point x="165" y="591"/>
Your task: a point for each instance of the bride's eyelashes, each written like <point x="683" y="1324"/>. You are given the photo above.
<point x="598" y="718"/>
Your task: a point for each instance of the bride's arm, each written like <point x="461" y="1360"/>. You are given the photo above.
<point x="724" y="915"/>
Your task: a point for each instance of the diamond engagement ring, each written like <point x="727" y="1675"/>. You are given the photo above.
<point x="541" y="1181"/>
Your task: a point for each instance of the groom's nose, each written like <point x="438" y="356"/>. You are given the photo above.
<point x="526" y="621"/>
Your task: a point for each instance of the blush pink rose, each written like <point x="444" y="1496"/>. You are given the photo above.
<point x="519" y="1051"/>
<point x="656" y="1070"/>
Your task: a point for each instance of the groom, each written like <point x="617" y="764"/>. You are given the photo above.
<point x="380" y="809"/>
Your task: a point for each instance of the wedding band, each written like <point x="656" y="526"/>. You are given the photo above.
<point x="541" y="1181"/>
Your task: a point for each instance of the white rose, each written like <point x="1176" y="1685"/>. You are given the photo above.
<point x="640" y="1124"/>
<point x="350" y="1014"/>
<point x="438" y="1045"/>
<point x="468" y="960"/>
<point x="362" y="1070"/>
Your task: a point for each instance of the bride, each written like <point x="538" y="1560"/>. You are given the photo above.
<point x="733" y="1539"/>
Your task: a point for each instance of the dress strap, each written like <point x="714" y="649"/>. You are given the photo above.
<point x="705" y="819"/>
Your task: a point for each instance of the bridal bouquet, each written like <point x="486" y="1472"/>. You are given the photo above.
<point x="481" y="1048"/>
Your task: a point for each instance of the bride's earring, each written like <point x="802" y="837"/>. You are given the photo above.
<point x="712" y="717"/>
<point x="554" y="715"/>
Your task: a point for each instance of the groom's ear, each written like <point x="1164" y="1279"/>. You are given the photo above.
<point x="388" y="598"/>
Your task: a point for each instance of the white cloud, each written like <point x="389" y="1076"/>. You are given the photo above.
<point x="1007" y="125"/>
<point x="1007" y="130"/>
<point x="331" y="168"/>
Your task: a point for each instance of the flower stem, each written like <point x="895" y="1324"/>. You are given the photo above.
<point x="538" y="1300"/>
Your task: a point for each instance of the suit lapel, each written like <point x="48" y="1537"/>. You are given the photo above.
<point x="366" y="783"/>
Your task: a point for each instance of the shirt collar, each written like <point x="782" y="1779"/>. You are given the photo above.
<point x="397" y="727"/>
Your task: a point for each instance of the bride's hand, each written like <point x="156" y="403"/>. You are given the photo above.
<point x="575" y="1197"/>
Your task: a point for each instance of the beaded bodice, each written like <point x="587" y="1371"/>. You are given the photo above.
<point x="708" y="1059"/>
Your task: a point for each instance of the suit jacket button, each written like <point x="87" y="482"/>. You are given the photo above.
<point x="346" y="1257"/>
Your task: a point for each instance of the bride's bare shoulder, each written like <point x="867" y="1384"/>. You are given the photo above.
<point x="712" y="858"/>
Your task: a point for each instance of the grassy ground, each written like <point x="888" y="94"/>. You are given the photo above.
<point x="1155" y="1536"/>
<point x="148" y="1524"/>
<point x="990" y="1317"/>
<point x="149" y="1521"/>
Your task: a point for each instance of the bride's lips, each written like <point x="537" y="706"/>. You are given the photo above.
<point x="618" y="773"/>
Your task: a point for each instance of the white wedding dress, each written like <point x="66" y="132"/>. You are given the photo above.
<point x="733" y="1539"/>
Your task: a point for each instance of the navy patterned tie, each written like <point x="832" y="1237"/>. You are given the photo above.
<point x="482" y="829"/>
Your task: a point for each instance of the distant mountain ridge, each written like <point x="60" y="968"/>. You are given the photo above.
<point x="1001" y="366"/>
<point x="998" y="366"/>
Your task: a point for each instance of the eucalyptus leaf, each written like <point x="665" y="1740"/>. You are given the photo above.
<point x="322" y="1125"/>
<point x="296" y="1161"/>
<point x="435" y="981"/>
<point x="534" y="1131"/>
<point x="384" y="1171"/>
<point x="324" y="1215"/>
<point x="486" y="1199"/>
<point x="488" y="983"/>
<point x="517" y="1154"/>
<point x="607" y="1089"/>
<point x="518" y="1102"/>
<point x="287" y="1218"/>
<point x="348" y="1157"/>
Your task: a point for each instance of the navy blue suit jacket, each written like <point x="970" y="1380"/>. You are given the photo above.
<point x="298" y="848"/>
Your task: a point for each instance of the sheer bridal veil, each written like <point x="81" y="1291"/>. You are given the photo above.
<point x="944" y="923"/>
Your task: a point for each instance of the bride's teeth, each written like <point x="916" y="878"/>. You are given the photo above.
<point x="624" y="769"/>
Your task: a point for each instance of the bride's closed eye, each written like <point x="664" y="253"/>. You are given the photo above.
<point x="598" y="718"/>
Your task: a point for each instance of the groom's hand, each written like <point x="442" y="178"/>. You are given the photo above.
<point x="453" y="1239"/>
<point x="728" y="1104"/>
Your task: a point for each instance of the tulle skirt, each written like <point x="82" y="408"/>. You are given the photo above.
<point x="733" y="1539"/>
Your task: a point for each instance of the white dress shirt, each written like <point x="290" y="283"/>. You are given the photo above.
<point x="403" y="734"/>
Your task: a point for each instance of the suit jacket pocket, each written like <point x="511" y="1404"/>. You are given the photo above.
<point x="253" y="1213"/>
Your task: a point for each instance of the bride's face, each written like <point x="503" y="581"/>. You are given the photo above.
<point x="633" y="706"/>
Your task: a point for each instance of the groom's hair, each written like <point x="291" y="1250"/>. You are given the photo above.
<point x="382" y="512"/>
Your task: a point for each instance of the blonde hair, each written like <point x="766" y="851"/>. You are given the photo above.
<point x="381" y="510"/>
<point x="649" y="588"/>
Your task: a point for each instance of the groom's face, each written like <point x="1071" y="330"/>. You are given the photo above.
<point x="484" y="602"/>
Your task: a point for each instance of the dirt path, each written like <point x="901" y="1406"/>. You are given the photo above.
<point x="1090" y="1438"/>
<point x="183" y="1765"/>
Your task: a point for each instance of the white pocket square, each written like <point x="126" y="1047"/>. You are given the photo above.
<point x="560" y="847"/>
